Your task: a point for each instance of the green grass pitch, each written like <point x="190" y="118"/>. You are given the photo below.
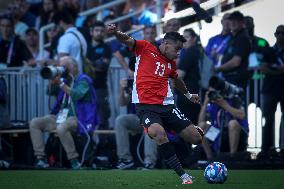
<point x="154" y="179"/>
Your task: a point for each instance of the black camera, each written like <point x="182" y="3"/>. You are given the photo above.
<point x="214" y="95"/>
<point x="50" y="72"/>
<point x="223" y="88"/>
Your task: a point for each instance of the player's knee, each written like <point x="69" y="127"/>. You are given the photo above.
<point x="158" y="133"/>
<point x="191" y="134"/>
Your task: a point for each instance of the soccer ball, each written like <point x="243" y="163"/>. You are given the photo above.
<point x="216" y="173"/>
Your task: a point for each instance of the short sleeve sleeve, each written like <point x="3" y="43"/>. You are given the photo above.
<point x="64" y="44"/>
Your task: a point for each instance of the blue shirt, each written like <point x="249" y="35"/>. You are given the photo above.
<point x="219" y="42"/>
<point x="146" y="18"/>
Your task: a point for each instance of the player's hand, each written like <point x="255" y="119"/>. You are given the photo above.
<point x="111" y="28"/>
<point x="195" y="99"/>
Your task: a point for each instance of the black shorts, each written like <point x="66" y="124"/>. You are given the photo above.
<point x="168" y="116"/>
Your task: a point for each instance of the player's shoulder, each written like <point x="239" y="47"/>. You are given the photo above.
<point x="143" y="42"/>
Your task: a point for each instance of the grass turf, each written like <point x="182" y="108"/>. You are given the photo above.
<point x="116" y="179"/>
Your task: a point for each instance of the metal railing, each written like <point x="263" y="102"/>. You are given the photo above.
<point x="27" y="92"/>
<point x="27" y="96"/>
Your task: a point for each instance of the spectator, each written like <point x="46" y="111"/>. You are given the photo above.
<point x="273" y="93"/>
<point x="25" y="16"/>
<point x="188" y="70"/>
<point x="224" y="113"/>
<point x="260" y="53"/>
<point x="234" y="63"/>
<point x="72" y="42"/>
<point x="14" y="52"/>
<point x="52" y="37"/>
<point x="145" y="16"/>
<point x="118" y="48"/>
<point x="172" y="25"/>
<point x="4" y="115"/>
<point x="218" y="43"/>
<point x="75" y="109"/>
<point x="32" y="41"/>
<point x="130" y="123"/>
<point x="20" y="27"/>
<point x="100" y="55"/>
<point x="49" y="7"/>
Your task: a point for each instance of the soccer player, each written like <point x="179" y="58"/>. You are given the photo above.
<point x="153" y="96"/>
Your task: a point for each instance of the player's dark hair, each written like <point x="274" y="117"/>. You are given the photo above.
<point x="175" y="36"/>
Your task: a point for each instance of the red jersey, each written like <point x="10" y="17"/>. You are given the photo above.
<point x="151" y="76"/>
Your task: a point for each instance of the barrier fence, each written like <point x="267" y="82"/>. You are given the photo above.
<point x="27" y="96"/>
<point x="27" y="92"/>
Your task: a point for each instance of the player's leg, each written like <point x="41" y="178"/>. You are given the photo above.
<point x="191" y="134"/>
<point x="182" y="125"/>
<point x="158" y="133"/>
<point x="153" y="126"/>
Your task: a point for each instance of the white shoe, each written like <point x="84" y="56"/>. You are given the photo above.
<point x="186" y="179"/>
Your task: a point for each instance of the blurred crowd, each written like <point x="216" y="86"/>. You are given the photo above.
<point x="220" y="71"/>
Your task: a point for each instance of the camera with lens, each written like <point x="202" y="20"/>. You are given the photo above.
<point x="50" y="72"/>
<point x="214" y="95"/>
<point x="223" y="89"/>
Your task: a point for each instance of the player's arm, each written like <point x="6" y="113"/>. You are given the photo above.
<point x="179" y="85"/>
<point x="122" y="37"/>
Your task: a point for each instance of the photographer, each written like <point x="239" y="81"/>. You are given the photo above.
<point x="130" y="123"/>
<point x="75" y="109"/>
<point x="223" y="108"/>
